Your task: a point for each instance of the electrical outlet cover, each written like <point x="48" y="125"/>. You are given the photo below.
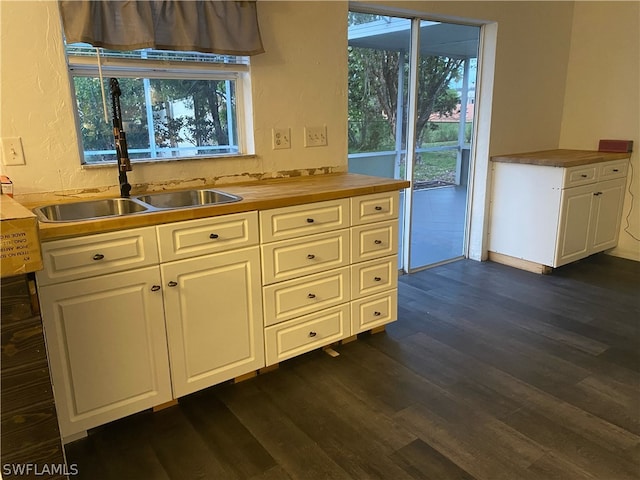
<point x="281" y="138"/>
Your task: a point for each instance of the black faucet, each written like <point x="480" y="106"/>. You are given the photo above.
<point x="122" y="154"/>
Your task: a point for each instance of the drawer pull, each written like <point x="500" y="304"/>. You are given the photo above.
<point x="584" y="175"/>
<point x="155" y="288"/>
<point x="311" y="256"/>
<point x="213" y="236"/>
<point x="378" y="207"/>
<point x="597" y="194"/>
<point x="311" y="295"/>
<point x="310" y="220"/>
<point x="377" y="279"/>
<point x="312" y="333"/>
<point x="615" y="170"/>
<point x="172" y="283"/>
<point x="378" y="242"/>
<point x="376" y="314"/>
<point x="98" y="256"/>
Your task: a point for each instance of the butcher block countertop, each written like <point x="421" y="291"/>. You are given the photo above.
<point x="260" y="195"/>
<point x="560" y="158"/>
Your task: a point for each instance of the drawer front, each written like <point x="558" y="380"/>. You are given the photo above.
<point x="311" y="218"/>
<point x="611" y="170"/>
<point x="208" y="235"/>
<point x="297" y="257"/>
<point x="307" y="333"/>
<point x="374" y="276"/>
<point x="294" y="298"/>
<point x="581" y="175"/>
<point x="83" y="257"/>
<point x="374" y="241"/>
<point x="374" y="208"/>
<point x="374" y="311"/>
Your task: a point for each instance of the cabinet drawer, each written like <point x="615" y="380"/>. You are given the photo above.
<point x="301" y="296"/>
<point x="374" y="208"/>
<point x="83" y="257"/>
<point x="581" y="175"/>
<point x="611" y="170"/>
<point x="296" y="337"/>
<point x="289" y="222"/>
<point x="297" y="257"/>
<point x="208" y="235"/>
<point x="374" y="276"/>
<point x="374" y="241"/>
<point x="374" y="311"/>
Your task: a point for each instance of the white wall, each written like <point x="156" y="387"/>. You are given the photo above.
<point x="300" y="81"/>
<point x="558" y="66"/>
<point x="602" y="99"/>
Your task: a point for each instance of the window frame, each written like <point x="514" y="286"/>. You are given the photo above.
<point x="104" y="66"/>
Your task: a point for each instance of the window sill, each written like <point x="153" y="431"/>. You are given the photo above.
<point x="159" y="161"/>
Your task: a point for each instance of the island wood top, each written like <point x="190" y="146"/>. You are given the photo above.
<point x="260" y="195"/>
<point x="560" y="158"/>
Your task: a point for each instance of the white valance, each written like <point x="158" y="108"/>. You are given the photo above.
<point x="223" y="27"/>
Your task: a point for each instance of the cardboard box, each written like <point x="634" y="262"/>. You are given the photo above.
<point x="19" y="240"/>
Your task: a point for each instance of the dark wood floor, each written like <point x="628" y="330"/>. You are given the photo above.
<point x="489" y="373"/>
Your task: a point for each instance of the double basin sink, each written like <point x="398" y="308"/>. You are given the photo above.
<point x="113" y="207"/>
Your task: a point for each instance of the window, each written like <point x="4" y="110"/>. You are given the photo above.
<point x="174" y="104"/>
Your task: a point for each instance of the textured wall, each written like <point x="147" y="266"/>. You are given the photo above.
<point x="299" y="81"/>
<point x="603" y="95"/>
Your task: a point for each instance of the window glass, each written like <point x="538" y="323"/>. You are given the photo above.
<point x="174" y="104"/>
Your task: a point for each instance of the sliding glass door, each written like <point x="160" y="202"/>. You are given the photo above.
<point x="412" y="82"/>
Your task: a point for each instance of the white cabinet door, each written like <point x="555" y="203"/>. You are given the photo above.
<point x="607" y="214"/>
<point x="214" y="318"/>
<point x="107" y="347"/>
<point x="575" y="224"/>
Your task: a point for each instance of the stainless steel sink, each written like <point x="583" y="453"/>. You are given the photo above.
<point x="112" y="207"/>
<point x="109" y="207"/>
<point x="188" y="198"/>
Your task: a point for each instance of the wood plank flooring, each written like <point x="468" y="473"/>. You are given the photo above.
<point x="490" y="373"/>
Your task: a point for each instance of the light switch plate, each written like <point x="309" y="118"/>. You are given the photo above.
<point x="315" y="136"/>
<point x="12" y="153"/>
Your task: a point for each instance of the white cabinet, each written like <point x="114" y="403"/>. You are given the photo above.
<point x="305" y="269"/>
<point x="110" y="310"/>
<point x="214" y="318"/>
<point x="138" y="317"/>
<point x="552" y="216"/>
<point x="374" y="248"/>
<point x="107" y="347"/>
<point x="329" y="271"/>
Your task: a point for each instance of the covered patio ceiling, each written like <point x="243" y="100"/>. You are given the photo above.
<point x="440" y="39"/>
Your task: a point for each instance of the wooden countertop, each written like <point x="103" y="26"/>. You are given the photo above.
<point x="560" y="158"/>
<point x="261" y="195"/>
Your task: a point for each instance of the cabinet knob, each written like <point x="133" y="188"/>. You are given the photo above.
<point x="377" y="279"/>
<point x="378" y="242"/>
<point x="98" y="256"/>
<point x="584" y="175"/>
<point x="376" y="314"/>
<point x="155" y="288"/>
<point x="597" y="194"/>
<point x="312" y="333"/>
<point x="615" y="170"/>
<point x="311" y="295"/>
<point x="213" y="236"/>
<point x="172" y="283"/>
<point x="311" y="256"/>
<point x="378" y="207"/>
<point x="310" y="220"/>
